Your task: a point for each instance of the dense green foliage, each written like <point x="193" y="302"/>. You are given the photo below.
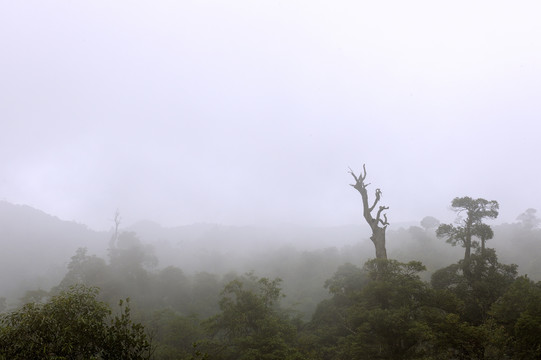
<point x="72" y="325"/>
<point x="384" y="309"/>
<point x="250" y="324"/>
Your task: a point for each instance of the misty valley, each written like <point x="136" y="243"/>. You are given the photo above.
<point x="465" y="290"/>
<point x="174" y="180"/>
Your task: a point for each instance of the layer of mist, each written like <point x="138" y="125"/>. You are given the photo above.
<point x="37" y="248"/>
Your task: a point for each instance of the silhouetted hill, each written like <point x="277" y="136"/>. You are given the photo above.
<point x="36" y="247"/>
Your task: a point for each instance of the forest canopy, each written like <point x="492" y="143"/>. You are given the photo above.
<point x="430" y="303"/>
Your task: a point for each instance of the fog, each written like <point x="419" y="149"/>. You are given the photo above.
<point x="250" y="113"/>
<point x="195" y="157"/>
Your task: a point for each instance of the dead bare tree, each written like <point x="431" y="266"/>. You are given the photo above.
<point x="114" y="237"/>
<point x="377" y="224"/>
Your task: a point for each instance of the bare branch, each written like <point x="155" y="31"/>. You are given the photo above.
<point x="114" y="237"/>
<point x="359" y="180"/>
<point x="364" y="169"/>
<point x="354" y="176"/>
<point x="374" y="205"/>
<point x="378" y="197"/>
<point x="381" y="209"/>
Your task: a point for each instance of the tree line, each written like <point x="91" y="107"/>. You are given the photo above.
<point x="474" y="308"/>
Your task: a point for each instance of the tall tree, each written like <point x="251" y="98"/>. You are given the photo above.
<point x="251" y="324"/>
<point x="471" y="213"/>
<point x="377" y="224"/>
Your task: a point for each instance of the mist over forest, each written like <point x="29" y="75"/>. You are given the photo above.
<point x="270" y="180"/>
<point x="181" y="272"/>
<point x="46" y="243"/>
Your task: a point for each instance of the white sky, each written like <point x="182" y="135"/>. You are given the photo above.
<point x="250" y="112"/>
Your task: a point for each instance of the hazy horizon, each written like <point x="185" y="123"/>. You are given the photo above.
<point x="249" y="113"/>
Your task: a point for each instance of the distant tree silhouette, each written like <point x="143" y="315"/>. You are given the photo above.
<point x="429" y="222"/>
<point x="528" y="219"/>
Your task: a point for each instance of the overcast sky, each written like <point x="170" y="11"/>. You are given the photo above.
<point x="250" y="112"/>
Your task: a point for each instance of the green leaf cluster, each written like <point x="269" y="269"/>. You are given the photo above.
<point x="251" y="325"/>
<point x="72" y="325"/>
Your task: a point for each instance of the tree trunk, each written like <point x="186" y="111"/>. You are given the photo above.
<point x="378" y="238"/>
<point x="483" y="246"/>
<point x="467" y="244"/>
<point x="466" y="265"/>
<point x="378" y="232"/>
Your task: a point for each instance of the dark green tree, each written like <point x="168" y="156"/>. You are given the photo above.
<point x="516" y="321"/>
<point x="130" y="262"/>
<point x="85" y="269"/>
<point x="250" y="324"/>
<point x="488" y="280"/>
<point x="387" y="312"/>
<point x="72" y="325"/>
<point x="174" y="334"/>
<point x="471" y="213"/>
<point x="125" y="339"/>
<point x="329" y="324"/>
